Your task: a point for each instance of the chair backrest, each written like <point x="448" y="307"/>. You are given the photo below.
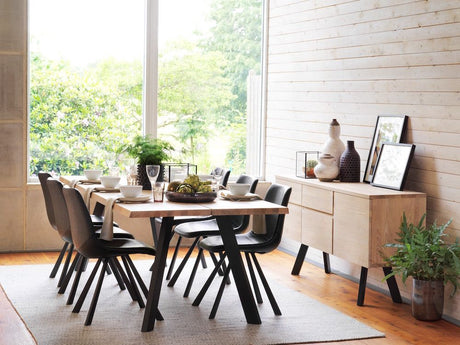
<point x="61" y="216"/>
<point x="278" y="194"/>
<point x="43" y="177"/>
<point x="240" y="223"/>
<point x="83" y="235"/>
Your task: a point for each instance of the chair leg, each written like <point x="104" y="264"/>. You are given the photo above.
<point x="203" y="262"/>
<point x="81" y="299"/>
<point x="193" y="273"/>
<point x="59" y="260"/>
<point x="140" y="300"/>
<point x="125" y="279"/>
<point x="182" y="264"/>
<point x="173" y="259"/>
<point x="97" y="291"/>
<point x="255" y="286"/>
<point x="208" y="282"/>
<point x="66" y="265"/>
<point x="117" y="274"/>
<point x="137" y="276"/>
<point x="215" y="261"/>
<point x="268" y="291"/>
<point x="76" y="280"/>
<point x="67" y="277"/>
<point x="212" y="315"/>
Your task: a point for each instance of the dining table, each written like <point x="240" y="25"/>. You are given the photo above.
<point x="220" y="208"/>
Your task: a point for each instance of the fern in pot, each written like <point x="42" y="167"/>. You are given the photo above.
<point x="426" y="255"/>
<point x="148" y="150"/>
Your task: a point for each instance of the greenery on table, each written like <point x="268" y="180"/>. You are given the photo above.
<point x="78" y="118"/>
<point x="425" y="253"/>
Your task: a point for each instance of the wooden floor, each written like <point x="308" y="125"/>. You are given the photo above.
<point x="378" y="311"/>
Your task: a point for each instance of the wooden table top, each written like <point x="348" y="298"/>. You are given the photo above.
<point x="218" y="207"/>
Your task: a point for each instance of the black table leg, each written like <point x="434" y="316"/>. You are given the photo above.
<point x="362" y="286"/>
<point x="154" y="231"/>
<point x="158" y="269"/>
<point x="327" y="263"/>
<point x="299" y="259"/>
<point x="392" y="286"/>
<point x="238" y="270"/>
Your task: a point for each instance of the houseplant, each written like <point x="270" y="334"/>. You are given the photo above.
<point x="425" y="254"/>
<point x="148" y="150"/>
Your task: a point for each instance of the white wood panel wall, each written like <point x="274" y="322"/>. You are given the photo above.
<point x="356" y="59"/>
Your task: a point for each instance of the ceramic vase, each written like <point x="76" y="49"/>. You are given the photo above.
<point x="334" y="146"/>
<point x="350" y="164"/>
<point x="427" y="299"/>
<point x="326" y="170"/>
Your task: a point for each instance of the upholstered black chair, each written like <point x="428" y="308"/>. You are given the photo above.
<point x="205" y="228"/>
<point x="89" y="245"/>
<point x="64" y="232"/>
<point x="251" y="243"/>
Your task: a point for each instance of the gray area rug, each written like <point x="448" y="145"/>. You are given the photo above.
<point x="118" y="319"/>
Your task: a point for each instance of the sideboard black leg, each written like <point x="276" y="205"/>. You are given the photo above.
<point x="327" y="264"/>
<point x="362" y="286"/>
<point x="299" y="260"/>
<point x="392" y="286"/>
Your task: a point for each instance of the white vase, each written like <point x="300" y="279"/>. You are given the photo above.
<point x="334" y="146"/>
<point x="327" y="169"/>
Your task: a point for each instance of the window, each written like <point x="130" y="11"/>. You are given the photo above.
<point x="91" y="89"/>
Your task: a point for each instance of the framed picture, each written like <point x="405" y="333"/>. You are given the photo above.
<point x="393" y="165"/>
<point x="389" y="128"/>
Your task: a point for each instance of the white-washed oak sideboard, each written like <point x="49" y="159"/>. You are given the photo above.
<point x="352" y="221"/>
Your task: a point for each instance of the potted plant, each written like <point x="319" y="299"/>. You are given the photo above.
<point x="425" y="254"/>
<point x="148" y="150"/>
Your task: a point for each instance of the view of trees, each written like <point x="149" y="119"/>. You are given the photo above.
<point x="79" y="118"/>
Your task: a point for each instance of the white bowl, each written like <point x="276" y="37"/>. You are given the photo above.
<point x="110" y="181"/>
<point x="93" y="174"/>
<point x="129" y="191"/>
<point x="238" y="188"/>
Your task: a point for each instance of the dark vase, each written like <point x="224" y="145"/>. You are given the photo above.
<point x="143" y="179"/>
<point x="427" y="299"/>
<point x="350" y="164"/>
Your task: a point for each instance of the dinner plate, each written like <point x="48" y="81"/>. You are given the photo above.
<point x="142" y="198"/>
<point x="247" y="197"/>
<point x="191" y="197"/>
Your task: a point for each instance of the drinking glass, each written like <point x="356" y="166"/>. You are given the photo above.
<point x="216" y="182"/>
<point x="152" y="172"/>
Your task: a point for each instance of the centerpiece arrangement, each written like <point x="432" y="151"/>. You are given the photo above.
<point x="148" y="150"/>
<point x="191" y="189"/>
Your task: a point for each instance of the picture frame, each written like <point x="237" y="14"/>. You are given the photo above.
<point x="393" y="165"/>
<point x="388" y="128"/>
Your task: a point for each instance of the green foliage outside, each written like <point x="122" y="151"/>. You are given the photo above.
<point x="80" y="118"/>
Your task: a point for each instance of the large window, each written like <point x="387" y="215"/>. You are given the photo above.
<point x="87" y="80"/>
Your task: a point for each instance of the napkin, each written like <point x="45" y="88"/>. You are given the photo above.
<point x="107" y="226"/>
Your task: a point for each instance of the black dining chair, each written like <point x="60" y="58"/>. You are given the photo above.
<point x="90" y="246"/>
<point x="205" y="228"/>
<point x="251" y="243"/>
<point x="65" y="233"/>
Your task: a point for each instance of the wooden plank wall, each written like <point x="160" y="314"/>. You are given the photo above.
<point x="356" y="59"/>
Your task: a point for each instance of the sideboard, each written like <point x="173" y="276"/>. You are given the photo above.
<point x="352" y="221"/>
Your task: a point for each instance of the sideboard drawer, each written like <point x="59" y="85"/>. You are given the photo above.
<point x="296" y="193"/>
<point x="317" y="199"/>
<point x="317" y="230"/>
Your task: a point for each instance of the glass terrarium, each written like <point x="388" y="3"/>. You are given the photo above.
<point x="179" y="171"/>
<point x="305" y="163"/>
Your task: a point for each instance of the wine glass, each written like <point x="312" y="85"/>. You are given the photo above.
<point x="216" y="182"/>
<point x="152" y="172"/>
